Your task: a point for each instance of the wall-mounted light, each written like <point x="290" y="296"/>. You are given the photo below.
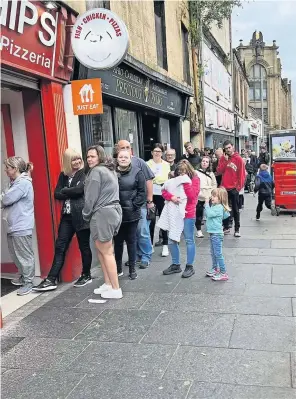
<point x="50" y="5"/>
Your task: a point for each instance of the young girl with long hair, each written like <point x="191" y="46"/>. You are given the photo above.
<point x="207" y="184"/>
<point x="218" y="211"/>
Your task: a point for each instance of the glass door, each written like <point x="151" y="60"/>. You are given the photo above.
<point x="126" y="128"/>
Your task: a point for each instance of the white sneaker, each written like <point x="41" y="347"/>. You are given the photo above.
<point x="112" y="294"/>
<point x="152" y="250"/>
<point x="165" y="250"/>
<point x="102" y="288"/>
<point x="237" y="234"/>
<point x="199" y="234"/>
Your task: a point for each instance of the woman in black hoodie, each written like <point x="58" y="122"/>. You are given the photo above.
<point x="132" y="195"/>
<point x="70" y="191"/>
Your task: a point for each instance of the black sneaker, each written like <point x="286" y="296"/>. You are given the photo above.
<point x="188" y="272"/>
<point x="257" y="217"/>
<point x="132" y="273"/>
<point x="83" y="280"/>
<point x="138" y="262"/>
<point x="172" y="269"/>
<point x="46" y="285"/>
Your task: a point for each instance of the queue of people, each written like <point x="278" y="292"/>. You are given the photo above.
<point x="112" y="201"/>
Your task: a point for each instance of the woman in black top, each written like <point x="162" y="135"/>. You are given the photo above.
<point x="70" y="190"/>
<point x="132" y="196"/>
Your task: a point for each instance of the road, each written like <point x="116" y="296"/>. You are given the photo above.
<point x="168" y="338"/>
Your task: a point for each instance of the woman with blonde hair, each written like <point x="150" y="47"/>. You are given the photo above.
<point x="70" y="190"/>
<point x="103" y="211"/>
<point x="17" y="203"/>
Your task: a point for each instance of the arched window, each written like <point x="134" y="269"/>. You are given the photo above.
<point x="257" y="73"/>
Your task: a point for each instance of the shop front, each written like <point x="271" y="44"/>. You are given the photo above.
<point x="138" y="107"/>
<point x="219" y="126"/>
<point x="254" y="133"/>
<point x="36" y="62"/>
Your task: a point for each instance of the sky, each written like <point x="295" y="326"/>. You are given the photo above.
<point x="276" y="19"/>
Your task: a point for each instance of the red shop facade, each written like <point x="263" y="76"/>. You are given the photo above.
<point x="36" y="62"/>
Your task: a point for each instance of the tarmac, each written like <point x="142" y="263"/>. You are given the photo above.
<point x="168" y="338"/>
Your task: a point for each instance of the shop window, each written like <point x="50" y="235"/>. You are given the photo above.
<point x="160" y="31"/>
<point x="126" y="128"/>
<point x="185" y="47"/>
<point x="257" y="82"/>
<point x="102" y="129"/>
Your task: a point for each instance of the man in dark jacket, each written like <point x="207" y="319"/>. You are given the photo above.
<point x="191" y="155"/>
<point x="264" y="185"/>
<point x="264" y="157"/>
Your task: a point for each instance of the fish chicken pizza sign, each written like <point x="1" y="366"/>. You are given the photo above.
<point x="99" y="39"/>
<point x="28" y="36"/>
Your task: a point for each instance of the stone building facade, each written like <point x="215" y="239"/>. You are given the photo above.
<point x="158" y="67"/>
<point x="269" y="92"/>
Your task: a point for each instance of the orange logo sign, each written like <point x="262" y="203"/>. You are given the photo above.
<point x="87" y="96"/>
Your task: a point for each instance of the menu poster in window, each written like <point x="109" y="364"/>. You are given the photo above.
<point x="283" y="147"/>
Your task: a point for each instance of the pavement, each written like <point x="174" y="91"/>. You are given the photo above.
<point x="168" y="338"/>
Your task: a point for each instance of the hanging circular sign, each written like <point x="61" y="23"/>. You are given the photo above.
<point x="99" y="39"/>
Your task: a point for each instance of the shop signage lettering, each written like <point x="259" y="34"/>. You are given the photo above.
<point x="130" y="85"/>
<point x="28" y="35"/>
<point x="87" y="96"/>
<point x="99" y="39"/>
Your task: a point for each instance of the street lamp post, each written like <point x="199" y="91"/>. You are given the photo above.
<point x="262" y="109"/>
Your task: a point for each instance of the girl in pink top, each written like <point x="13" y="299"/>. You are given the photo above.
<point x="192" y="192"/>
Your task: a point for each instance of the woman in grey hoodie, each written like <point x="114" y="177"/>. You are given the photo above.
<point x="18" y="204"/>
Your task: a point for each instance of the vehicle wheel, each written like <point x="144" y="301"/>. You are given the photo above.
<point x="278" y="209"/>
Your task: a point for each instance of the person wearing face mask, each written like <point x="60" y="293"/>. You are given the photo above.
<point x="161" y="170"/>
<point x="207" y="184"/>
<point x="232" y="168"/>
<point x="70" y="190"/>
<point x="132" y="196"/>
<point x="17" y="203"/>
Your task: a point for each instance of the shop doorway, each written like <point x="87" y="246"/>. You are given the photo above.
<point x="13" y="142"/>
<point x="150" y="125"/>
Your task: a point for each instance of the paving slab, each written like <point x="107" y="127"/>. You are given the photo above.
<point x="266" y="260"/>
<point x="199" y="329"/>
<point x="241" y="243"/>
<point x="278" y="251"/>
<point x="52" y="322"/>
<point x="135" y="360"/>
<point x="248" y="273"/>
<point x="293" y="367"/>
<point x="283" y="244"/>
<point x="150" y="281"/>
<point x="130" y="300"/>
<point x="222" y="304"/>
<point x="270" y="290"/>
<point x="112" y="387"/>
<point x="269" y="333"/>
<point x="43" y="353"/>
<point x="233" y="366"/>
<point x="202" y="390"/>
<point x="294" y="306"/>
<point x="28" y="384"/>
<point x="119" y="325"/>
<point x="205" y="285"/>
<point x="284" y="275"/>
<point x="7" y="343"/>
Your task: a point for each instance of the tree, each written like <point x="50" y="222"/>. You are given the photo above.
<point x="204" y="14"/>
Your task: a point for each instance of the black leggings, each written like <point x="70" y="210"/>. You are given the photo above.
<point x="65" y="235"/>
<point x="127" y="233"/>
<point x="261" y="199"/>
<point x="159" y="204"/>
<point x="199" y="214"/>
